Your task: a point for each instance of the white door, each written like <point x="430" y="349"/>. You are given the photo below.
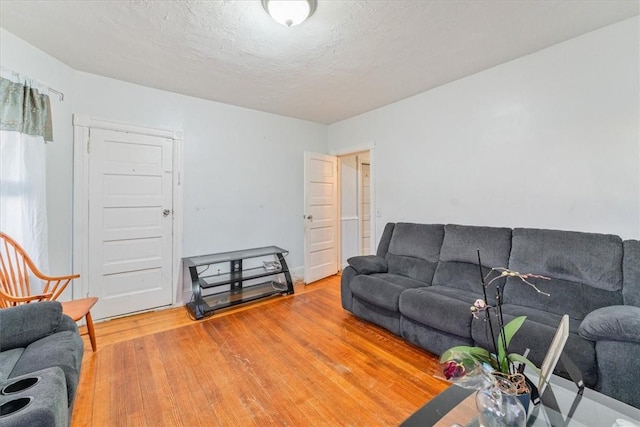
<point x="321" y="216"/>
<point x="130" y="222"/>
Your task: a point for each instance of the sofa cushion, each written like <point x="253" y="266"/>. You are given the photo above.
<point x="439" y="307"/>
<point x="458" y="266"/>
<point x="414" y="250"/>
<point x="613" y="323"/>
<point x="368" y="264"/>
<point x="8" y="359"/>
<point x="631" y="273"/>
<point x="18" y="333"/>
<point x="382" y="290"/>
<point x="461" y="243"/>
<point x="588" y="258"/>
<point x="433" y="340"/>
<point x="585" y="271"/>
<point x="385" y="239"/>
<point x="387" y="319"/>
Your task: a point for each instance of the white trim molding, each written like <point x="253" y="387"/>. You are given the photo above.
<point x="369" y="146"/>
<point x="92" y="122"/>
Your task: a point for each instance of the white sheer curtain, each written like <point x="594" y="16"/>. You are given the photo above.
<point x="23" y="196"/>
<point x="23" y="193"/>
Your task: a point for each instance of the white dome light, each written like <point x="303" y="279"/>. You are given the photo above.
<point x="289" y="12"/>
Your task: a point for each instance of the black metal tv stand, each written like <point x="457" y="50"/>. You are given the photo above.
<point x="222" y="275"/>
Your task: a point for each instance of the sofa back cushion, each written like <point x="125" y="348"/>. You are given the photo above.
<point x="385" y="239"/>
<point x="585" y="271"/>
<point x="631" y="273"/>
<point x="458" y="265"/>
<point x="26" y="323"/>
<point x="414" y="250"/>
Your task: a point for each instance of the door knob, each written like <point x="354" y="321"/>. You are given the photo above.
<point x="166" y="212"/>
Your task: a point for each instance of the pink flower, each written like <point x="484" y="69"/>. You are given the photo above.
<point x="478" y="305"/>
<point x="453" y="369"/>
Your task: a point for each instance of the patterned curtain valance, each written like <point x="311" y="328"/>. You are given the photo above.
<point x="24" y="109"/>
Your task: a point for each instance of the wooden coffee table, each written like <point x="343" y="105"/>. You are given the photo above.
<point x="456" y="405"/>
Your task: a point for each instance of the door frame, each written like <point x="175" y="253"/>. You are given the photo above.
<point x="346" y="151"/>
<point x="81" y="126"/>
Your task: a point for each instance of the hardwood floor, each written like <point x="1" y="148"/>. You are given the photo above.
<point x="299" y="360"/>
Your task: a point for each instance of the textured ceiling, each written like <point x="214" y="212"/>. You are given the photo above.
<point x="348" y="58"/>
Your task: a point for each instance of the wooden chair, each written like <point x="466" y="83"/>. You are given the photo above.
<point x="15" y="270"/>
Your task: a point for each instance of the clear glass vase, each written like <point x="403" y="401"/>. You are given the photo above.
<point x="498" y="405"/>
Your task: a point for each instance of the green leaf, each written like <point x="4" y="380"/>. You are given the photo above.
<point x="511" y="328"/>
<point x="506" y="334"/>
<point x="481" y="354"/>
<point x="478" y="353"/>
<point x="514" y="357"/>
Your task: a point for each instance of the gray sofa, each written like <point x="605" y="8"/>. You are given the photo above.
<point x="40" y="358"/>
<point x="424" y="278"/>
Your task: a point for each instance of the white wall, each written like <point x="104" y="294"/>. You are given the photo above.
<point x="243" y="169"/>
<point x="549" y="140"/>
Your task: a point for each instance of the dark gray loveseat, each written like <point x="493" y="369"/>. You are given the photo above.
<point x="424" y="278"/>
<point x="40" y="358"/>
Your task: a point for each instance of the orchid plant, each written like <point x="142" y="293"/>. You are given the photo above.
<point x="468" y="365"/>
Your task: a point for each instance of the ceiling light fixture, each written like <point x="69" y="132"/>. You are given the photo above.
<point x="290" y="12"/>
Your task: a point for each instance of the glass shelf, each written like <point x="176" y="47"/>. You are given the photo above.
<point x="245" y="294"/>
<point x="197" y="261"/>
<point x="226" y="278"/>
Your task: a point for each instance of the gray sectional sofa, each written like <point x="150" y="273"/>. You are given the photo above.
<point x="40" y="359"/>
<point x="424" y="278"/>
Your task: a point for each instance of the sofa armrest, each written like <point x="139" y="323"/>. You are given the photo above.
<point x="368" y="264"/>
<point x="26" y="323"/>
<point x="612" y="323"/>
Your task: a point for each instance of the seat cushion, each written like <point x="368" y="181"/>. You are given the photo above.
<point x="8" y="360"/>
<point x="382" y="290"/>
<point x="439" y="307"/>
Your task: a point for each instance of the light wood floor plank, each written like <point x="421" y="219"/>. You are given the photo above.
<point x="298" y="360"/>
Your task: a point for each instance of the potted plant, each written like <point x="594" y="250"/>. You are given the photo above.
<point x="486" y="369"/>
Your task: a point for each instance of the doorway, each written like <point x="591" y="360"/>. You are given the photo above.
<point x="356" y="236"/>
<point x="338" y="212"/>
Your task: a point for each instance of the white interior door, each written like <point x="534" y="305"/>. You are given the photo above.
<point x="130" y="222"/>
<point x="321" y="216"/>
